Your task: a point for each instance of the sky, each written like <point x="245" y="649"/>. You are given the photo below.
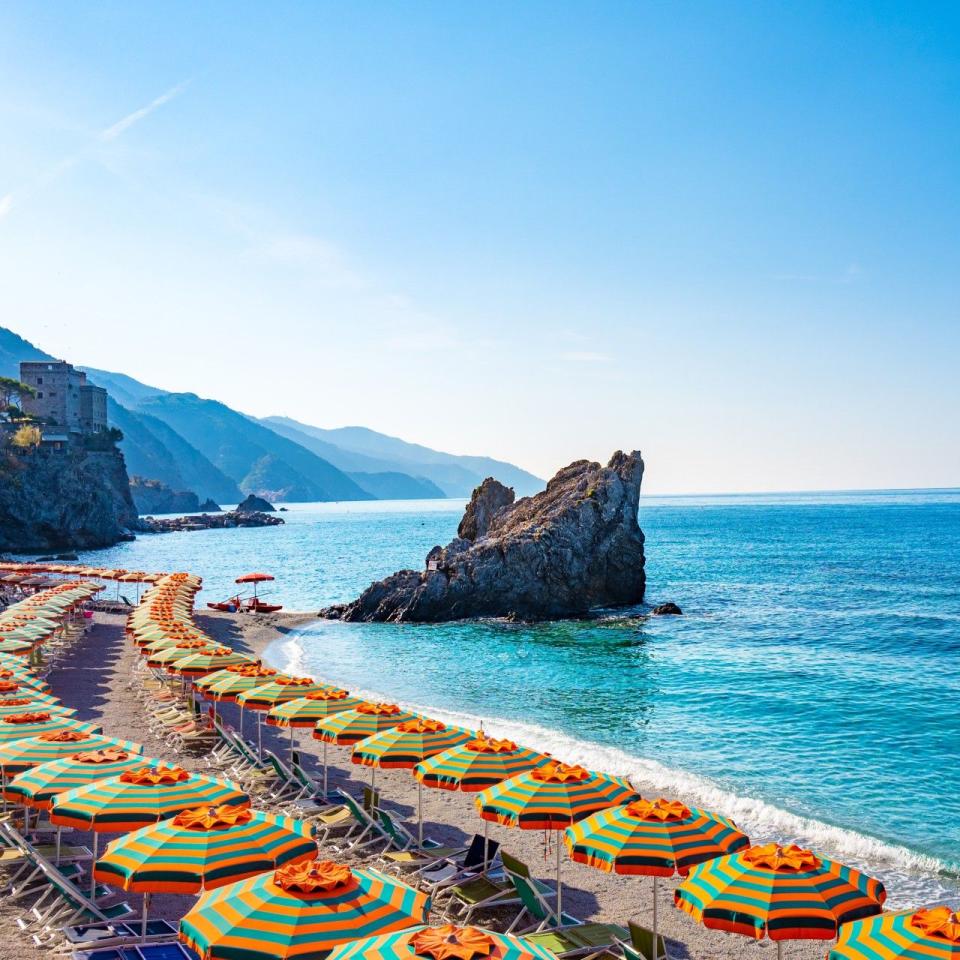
<point x="726" y="234"/>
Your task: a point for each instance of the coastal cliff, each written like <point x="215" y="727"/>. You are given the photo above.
<point x="572" y="548"/>
<point x="65" y="499"/>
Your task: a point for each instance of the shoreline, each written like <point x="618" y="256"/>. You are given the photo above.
<point x="912" y="877"/>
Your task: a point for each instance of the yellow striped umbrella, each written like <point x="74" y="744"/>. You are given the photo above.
<point x="306" y="711"/>
<point x="785" y="893"/>
<point x="209" y="661"/>
<point x="34" y="704"/>
<point x="37" y="786"/>
<point x="279" y="689"/>
<point x="405" y="745"/>
<point x="19" y="726"/>
<point x="657" y="838"/>
<point x="447" y="942"/>
<point x="300" y="910"/>
<point x="20" y="755"/>
<point x="552" y="797"/>
<point x="240" y="680"/>
<point x="932" y="933"/>
<point x="169" y="655"/>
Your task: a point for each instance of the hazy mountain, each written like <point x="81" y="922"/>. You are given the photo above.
<point x="203" y="446"/>
<point x="259" y="460"/>
<point x="456" y="475"/>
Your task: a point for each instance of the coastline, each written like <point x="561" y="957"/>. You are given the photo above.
<point x="96" y="679"/>
<point x="911" y="877"/>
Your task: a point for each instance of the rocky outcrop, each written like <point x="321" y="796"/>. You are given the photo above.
<point x="72" y="499"/>
<point x="152" y="496"/>
<point x="575" y="547"/>
<point x="255" y="504"/>
<point x="210" y="521"/>
<point x="209" y="506"/>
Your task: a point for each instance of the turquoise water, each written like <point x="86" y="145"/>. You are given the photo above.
<point x="810" y="690"/>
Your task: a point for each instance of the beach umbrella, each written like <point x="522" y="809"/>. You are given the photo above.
<point x="209" y="661"/>
<point x="138" y="798"/>
<point x="33" y="704"/>
<point x="170" y="655"/>
<point x="254" y="578"/>
<point x="551" y="797"/>
<point x="348" y="727"/>
<point x="237" y="680"/>
<point x="279" y="689"/>
<point x="447" y="942"/>
<point x="404" y="746"/>
<point x="932" y="933"/>
<point x="201" y="849"/>
<point x="18" y="726"/>
<point x="473" y="766"/>
<point x="20" y="755"/>
<point x="37" y="786"/>
<point x="306" y="711"/>
<point x="27" y="695"/>
<point x="658" y="838"/>
<point x="784" y="893"/>
<point x="301" y="910"/>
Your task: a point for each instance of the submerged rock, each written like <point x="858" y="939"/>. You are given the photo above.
<point x="667" y="610"/>
<point x="574" y="547"/>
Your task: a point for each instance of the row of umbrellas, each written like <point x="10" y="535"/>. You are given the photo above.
<point x="781" y="892"/>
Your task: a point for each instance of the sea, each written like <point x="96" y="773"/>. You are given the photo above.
<point x="811" y="689"/>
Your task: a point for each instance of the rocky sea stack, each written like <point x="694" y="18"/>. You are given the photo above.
<point x="574" y="547"/>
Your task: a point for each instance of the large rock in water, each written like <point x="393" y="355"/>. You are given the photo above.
<point x="574" y="547"/>
<point x="255" y="504"/>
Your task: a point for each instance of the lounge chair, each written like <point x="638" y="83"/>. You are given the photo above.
<point x="407" y="854"/>
<point x="97" y="935"/>
<point x="146" y="951"/>
<point x="463" y="900"/>
<point x="640" y="944"/>
<point x="535" y="895"/>
<point x="478" y="859"/>
<point x="579" y="940"/>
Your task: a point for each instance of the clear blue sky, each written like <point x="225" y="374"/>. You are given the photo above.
<point x="727" y="234"/>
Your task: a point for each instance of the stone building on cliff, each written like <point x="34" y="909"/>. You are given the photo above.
<point x="63" y="398"/>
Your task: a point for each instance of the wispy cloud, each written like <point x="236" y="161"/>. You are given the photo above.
<point x="116" y="129"/>
<point x="587" y="356"/>
<point x="106" y="135"/>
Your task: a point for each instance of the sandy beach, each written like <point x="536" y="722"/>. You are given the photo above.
<point x="95" y="678"/>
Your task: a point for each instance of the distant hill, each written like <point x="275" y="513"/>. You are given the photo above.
<point x="456" y="475"/>
<point x="203" y="446"/>
<point x="259" y="460"/>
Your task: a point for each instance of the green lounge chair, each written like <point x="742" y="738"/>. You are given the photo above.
<point x="579" y="940"/>
<point x="639" y="946"/>
<point x="535" y="895"/>
<point x="463" y="900"/>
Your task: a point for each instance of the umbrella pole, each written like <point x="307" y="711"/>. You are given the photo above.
<point x="59" y="830"/>
<point x="143" y="921"/>
<point x="656" y="942"/>
<point x="486" y="846"/>
<point x="93" y="864"/>
<point x="559" y="888"/>
<point x="779" y="950"/>
<point x="241" y="721"/>
<point x="3" y="787"/>
<point x="291" y="743"/>
<point x="259" y="737"/>
<point x="324" y="769"/>
<point x="420" y="812"/>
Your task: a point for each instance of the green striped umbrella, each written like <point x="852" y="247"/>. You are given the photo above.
<point x="202" y="849"/>
<point x="405" y="745"/>
<point x="784" y="893"/>
<point x="18" y="726"/>
<point x="169" y="655"/>
<point x="477" y="764"/>
<point x="929" y="934"/>
<point x="306" y="711"/>
<point x="278" y="690"/>
<point x="20" y="755"/>
<point x="38" y="786"/>
<point x="351" y="726"/>
<point x="658" y="838"/>
<point x="448" y="942"/>
<point x="240" y="680"/>
<point x="35" y="704"/>
<point x="27" y="695"/>
<point x="300" y="910"/>
<point x="552" y="797"/>
<point x="209" y="661"/>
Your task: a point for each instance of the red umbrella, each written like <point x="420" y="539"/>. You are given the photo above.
<point x="254" y="578"/>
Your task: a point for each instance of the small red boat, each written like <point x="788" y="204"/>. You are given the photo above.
<point x="227" y="606"/>
<point x="254" y="605"/>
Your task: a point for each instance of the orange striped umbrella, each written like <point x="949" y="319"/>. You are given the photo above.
<point x="552" y="797"/>
<point x="784" y="893"/>
<point x="300" y="910"/>
<point x="405" y="745"/>
<point x="19" y="726"/>
<point x="22" y="754"/>
<point x="929" y="934"/>
<point x="657" y="838"/>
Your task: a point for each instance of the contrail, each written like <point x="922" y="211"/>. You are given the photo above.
<point x="114" y="131"/>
